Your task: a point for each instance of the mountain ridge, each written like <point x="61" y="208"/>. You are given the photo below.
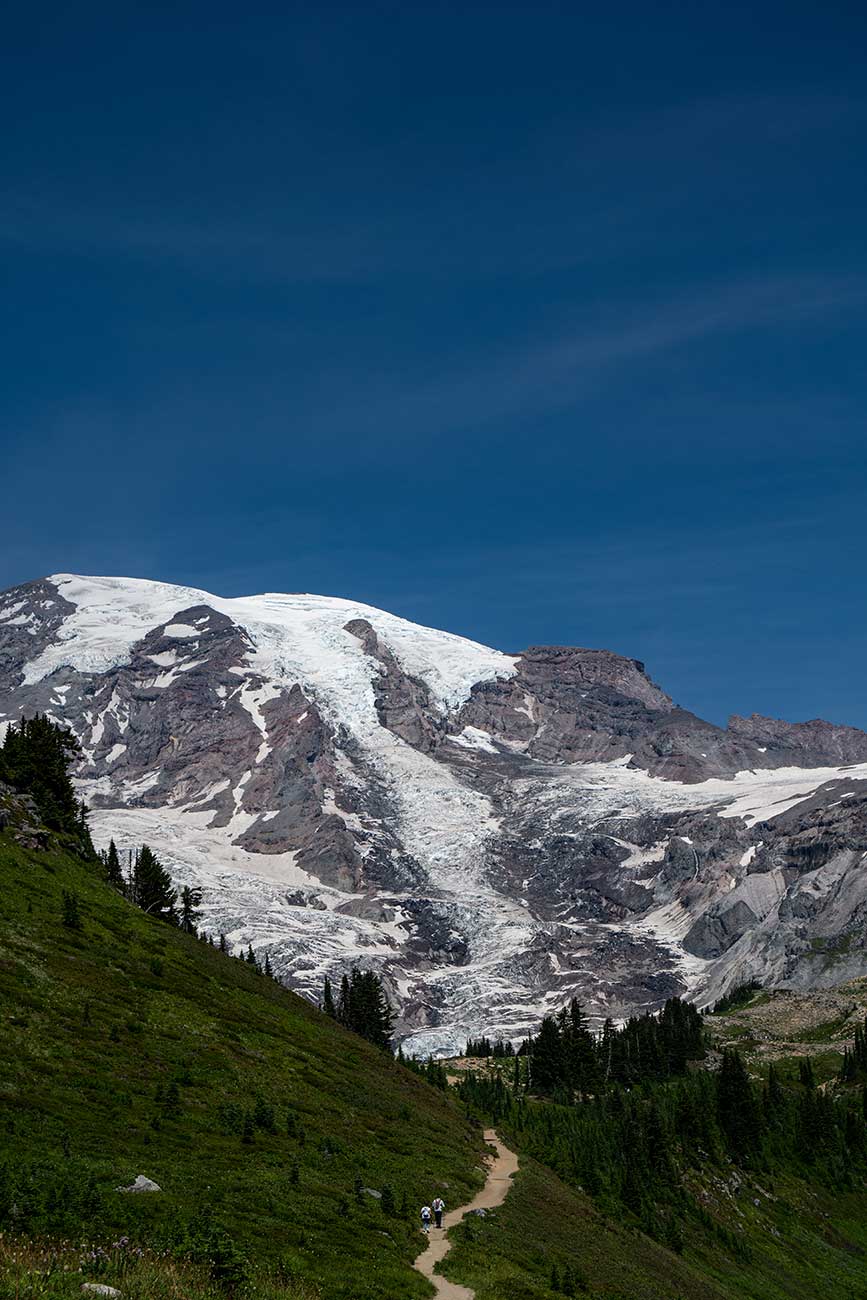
<point x="495" y="833"/>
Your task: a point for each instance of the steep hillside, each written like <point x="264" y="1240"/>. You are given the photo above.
<point x="494" y="833"/>
<point x="128" y="1047"/>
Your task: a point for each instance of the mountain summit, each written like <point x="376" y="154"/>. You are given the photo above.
<point x="495" y="833"/>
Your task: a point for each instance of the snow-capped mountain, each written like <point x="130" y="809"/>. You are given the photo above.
<point x="496" y="833"/>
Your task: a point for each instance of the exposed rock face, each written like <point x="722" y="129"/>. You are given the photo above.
<point x="494" y="833"/>
<point x="834" y="743"/>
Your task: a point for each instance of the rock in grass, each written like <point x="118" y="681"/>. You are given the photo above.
<point x="99" y="1288"/>
<point x="141" y="1184"/>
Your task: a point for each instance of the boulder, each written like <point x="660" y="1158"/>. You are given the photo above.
<point x="141" y="1184"/>
<point x="99" y="1288"/>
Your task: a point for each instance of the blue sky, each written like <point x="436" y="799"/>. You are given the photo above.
<point x="540" y="323"/>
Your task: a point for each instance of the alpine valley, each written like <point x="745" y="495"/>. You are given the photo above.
<point x="494" y="833"/>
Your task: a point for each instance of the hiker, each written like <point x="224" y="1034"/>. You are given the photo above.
<point x="438" y="1206"/>
<point x="425" y="1218"/>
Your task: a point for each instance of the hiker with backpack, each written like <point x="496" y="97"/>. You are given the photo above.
<point x="425" y="1218"/>
<point x="439" y="1206"/>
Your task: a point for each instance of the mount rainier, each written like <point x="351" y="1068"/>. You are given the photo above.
<point x="494" y="833"/>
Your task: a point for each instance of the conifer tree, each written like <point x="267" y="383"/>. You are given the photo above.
<point x="35" y="757"/>
<point x="113" y="872"/>
<point x="71" y="911"/>
<point x="736" y="1105"/>
<point x="776" y="1096"/>
<point x="328" y="1000"/>
<point x="363" y="1007"/>
<point x="546" y="1063"/>
<point x="343" y="1011"/>
<point x="190" y="901"/>
<point x="152" y="886"/>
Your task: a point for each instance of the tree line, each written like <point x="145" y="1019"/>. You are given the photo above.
<point x="498" y="1048"/>
<point x="567" y="1060"/>
<point x="633" y="1148"/>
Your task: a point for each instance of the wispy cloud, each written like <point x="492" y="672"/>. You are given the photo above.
<point x="543" y="376"/>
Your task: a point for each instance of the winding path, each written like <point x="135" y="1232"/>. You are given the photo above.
<point x="501" y="1169"/>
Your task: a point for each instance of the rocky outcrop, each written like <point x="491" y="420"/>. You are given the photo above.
<point x="403" y="703"/>
<point x="141" y="1184"/>
<point x="804" y="744"/>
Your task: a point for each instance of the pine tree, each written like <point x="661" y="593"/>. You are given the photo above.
<point x="387" y="1203"/>
<point x="268" y="971"/>
<point x="328" y="1000"/>
<point x="343" y="1011"/>
<point x="190" y="901"/>
<point x="363" y="1007"/>
<point x="113" y="872"/>
<point x="546" y="1063"/>
<point x="776" y="1096"/>
<point x="35" y="758"/>
<point x="224" y="947"/>
<point x="152" y="886"/>
<point x="738" y="1113"/>
<point x="71" y="911"/>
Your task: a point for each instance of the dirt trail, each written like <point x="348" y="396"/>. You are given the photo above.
<point x="501" y="1170"/>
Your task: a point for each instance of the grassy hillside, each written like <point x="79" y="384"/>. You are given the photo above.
<point x="799" y="1242"/>
<point x="544" y="1225"/>
<point x="129" y="1047"/>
